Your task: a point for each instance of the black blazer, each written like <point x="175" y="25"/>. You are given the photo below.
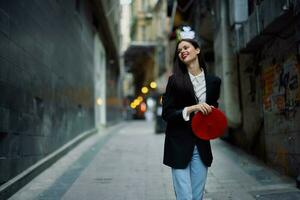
<point x="180" y="140"/>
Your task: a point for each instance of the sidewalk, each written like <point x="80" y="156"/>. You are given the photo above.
<point x="124" y="162"/>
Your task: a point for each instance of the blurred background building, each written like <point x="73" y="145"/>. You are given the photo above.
<point x="145" y="59"/>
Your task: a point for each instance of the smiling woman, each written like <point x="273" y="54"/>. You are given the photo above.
<point x="187" y="52"/>
<point x="189" y="90"/>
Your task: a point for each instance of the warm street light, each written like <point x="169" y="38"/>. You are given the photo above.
<point x="140" y="98"/>
<point x="132" y="105"/>
<point x="99" y="101"/>
<point x="153" y="85"/>
<point x="145" y="90"/>
<point x="136" y="102"/>
<point x="143" y="107"/>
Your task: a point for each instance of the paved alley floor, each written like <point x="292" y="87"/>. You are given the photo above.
<point x="124" y="162"/>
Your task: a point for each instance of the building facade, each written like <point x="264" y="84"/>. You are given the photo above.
<point x="56" y="56"/>
<point x="145" y="57"/>
<point x="257" y="54"/>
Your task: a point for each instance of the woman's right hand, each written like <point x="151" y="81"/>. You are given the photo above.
<point x="204" y="108"/>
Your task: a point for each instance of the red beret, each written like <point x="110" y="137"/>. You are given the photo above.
<point x="209" y="126"/>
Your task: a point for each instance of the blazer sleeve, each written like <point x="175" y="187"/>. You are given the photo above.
<point x="170" y="111"/>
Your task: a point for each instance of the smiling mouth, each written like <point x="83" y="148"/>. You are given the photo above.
<point x="184" y="56"/>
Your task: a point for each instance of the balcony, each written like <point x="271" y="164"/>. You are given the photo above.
<point x="268" y="20"/>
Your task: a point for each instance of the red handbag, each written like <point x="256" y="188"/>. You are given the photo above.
<point x="210" y="126"/>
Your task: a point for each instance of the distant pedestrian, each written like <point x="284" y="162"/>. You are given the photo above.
<point x="189" y="90"/>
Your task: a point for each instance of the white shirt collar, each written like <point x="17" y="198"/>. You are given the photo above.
<point x="197" y="76"/>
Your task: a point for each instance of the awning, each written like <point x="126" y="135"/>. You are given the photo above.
<point x="137" y="52"/>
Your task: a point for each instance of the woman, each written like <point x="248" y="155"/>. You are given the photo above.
<point x="189" y="90"/>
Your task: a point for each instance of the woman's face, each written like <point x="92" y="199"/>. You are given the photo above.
<point x="187" y="52"/>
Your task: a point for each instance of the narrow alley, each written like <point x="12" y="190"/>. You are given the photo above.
<point x="90" y="88"/>
<point x="124" y="162"/>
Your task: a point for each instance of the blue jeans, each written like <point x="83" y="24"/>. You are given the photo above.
<point x="189" y="183"/>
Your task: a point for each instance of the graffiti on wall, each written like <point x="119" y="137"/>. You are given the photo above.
<point x="281" y="87"/>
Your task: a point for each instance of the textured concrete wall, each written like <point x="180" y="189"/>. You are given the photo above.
<point x="251" y="135"/>
<point x="113" y="95"/>
<point x="46" y="79"/>
<point x="281" y="102"/>
<point x="270" y="85"/>
<point x="269" y="81"/>
<point x="226" y="59"/>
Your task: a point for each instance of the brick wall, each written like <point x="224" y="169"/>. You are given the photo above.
<point x="46" y="79"/>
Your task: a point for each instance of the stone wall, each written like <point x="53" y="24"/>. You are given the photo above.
<point x="46" y="79"/>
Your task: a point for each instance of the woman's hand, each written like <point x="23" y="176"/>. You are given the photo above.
<point x="204" y="108"/>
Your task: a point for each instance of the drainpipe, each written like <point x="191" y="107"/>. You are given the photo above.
<point x="173" y="15"/>
<point x="229" y="72"/>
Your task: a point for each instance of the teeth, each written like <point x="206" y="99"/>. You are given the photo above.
<point x="184" y="55"/>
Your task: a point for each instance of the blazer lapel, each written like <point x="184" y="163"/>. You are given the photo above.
<point x="209" y="84"/>
<point x="192" y="92"/>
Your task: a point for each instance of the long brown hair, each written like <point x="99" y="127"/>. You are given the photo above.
<point x="182" y="79"/>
